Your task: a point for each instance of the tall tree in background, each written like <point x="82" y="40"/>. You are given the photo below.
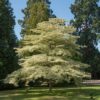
<point x="7" y="39"/>
<point x="87" y="21"/>
<point x="35" y="12"/>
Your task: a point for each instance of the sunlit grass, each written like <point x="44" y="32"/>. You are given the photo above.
<point x="82" y="93"/>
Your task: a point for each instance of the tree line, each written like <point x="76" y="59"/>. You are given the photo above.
<point x="49" y="51"/>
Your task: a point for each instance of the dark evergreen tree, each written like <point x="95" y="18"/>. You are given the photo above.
<point x="87" y="22"/>
<point x="7" y="39"/>
<point x="35" y="12"/>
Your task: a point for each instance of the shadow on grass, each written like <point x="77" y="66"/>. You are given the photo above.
<point x="57" y="94"/>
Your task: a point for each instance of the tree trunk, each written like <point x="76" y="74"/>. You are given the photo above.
<point x="27" y="87"/>
<point x="50" y="85"/>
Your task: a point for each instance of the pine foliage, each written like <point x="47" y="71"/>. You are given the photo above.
<point x="8" y="39"/>
<point x="35" y="12"/>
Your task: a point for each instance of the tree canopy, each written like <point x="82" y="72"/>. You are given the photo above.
<point x="8" y="39"/>
<point x="87" y="22"/>
<point x="35" y="12"/>
<point x="49" y="53"/>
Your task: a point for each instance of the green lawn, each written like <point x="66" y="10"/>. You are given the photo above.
<point x="82" y="93"/>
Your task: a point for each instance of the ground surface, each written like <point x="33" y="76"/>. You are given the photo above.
<point x="82" y="93"/>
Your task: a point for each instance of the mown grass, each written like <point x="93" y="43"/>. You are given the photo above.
<point x="83" y="93"/>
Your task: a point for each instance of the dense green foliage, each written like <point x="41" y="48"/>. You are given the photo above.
<point x="49" y="54"/>
<point x="87" y="22"/>
<point x="35" y="12"/>
<point x="8" y="58"/>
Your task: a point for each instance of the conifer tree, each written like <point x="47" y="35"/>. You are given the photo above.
<point x="48" y="54"/>
<point x="35" y="12"/>
<point x="87" y="22"/>
<point x="7" y="39"/>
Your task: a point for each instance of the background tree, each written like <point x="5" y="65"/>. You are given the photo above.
<point x="7" y="39"/>
<point x="87" y="22"/>
<point x="35" y="12"/>
<point x="49" y="54"/>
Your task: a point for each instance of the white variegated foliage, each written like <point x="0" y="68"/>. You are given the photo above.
<point x="48" y="53"/>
